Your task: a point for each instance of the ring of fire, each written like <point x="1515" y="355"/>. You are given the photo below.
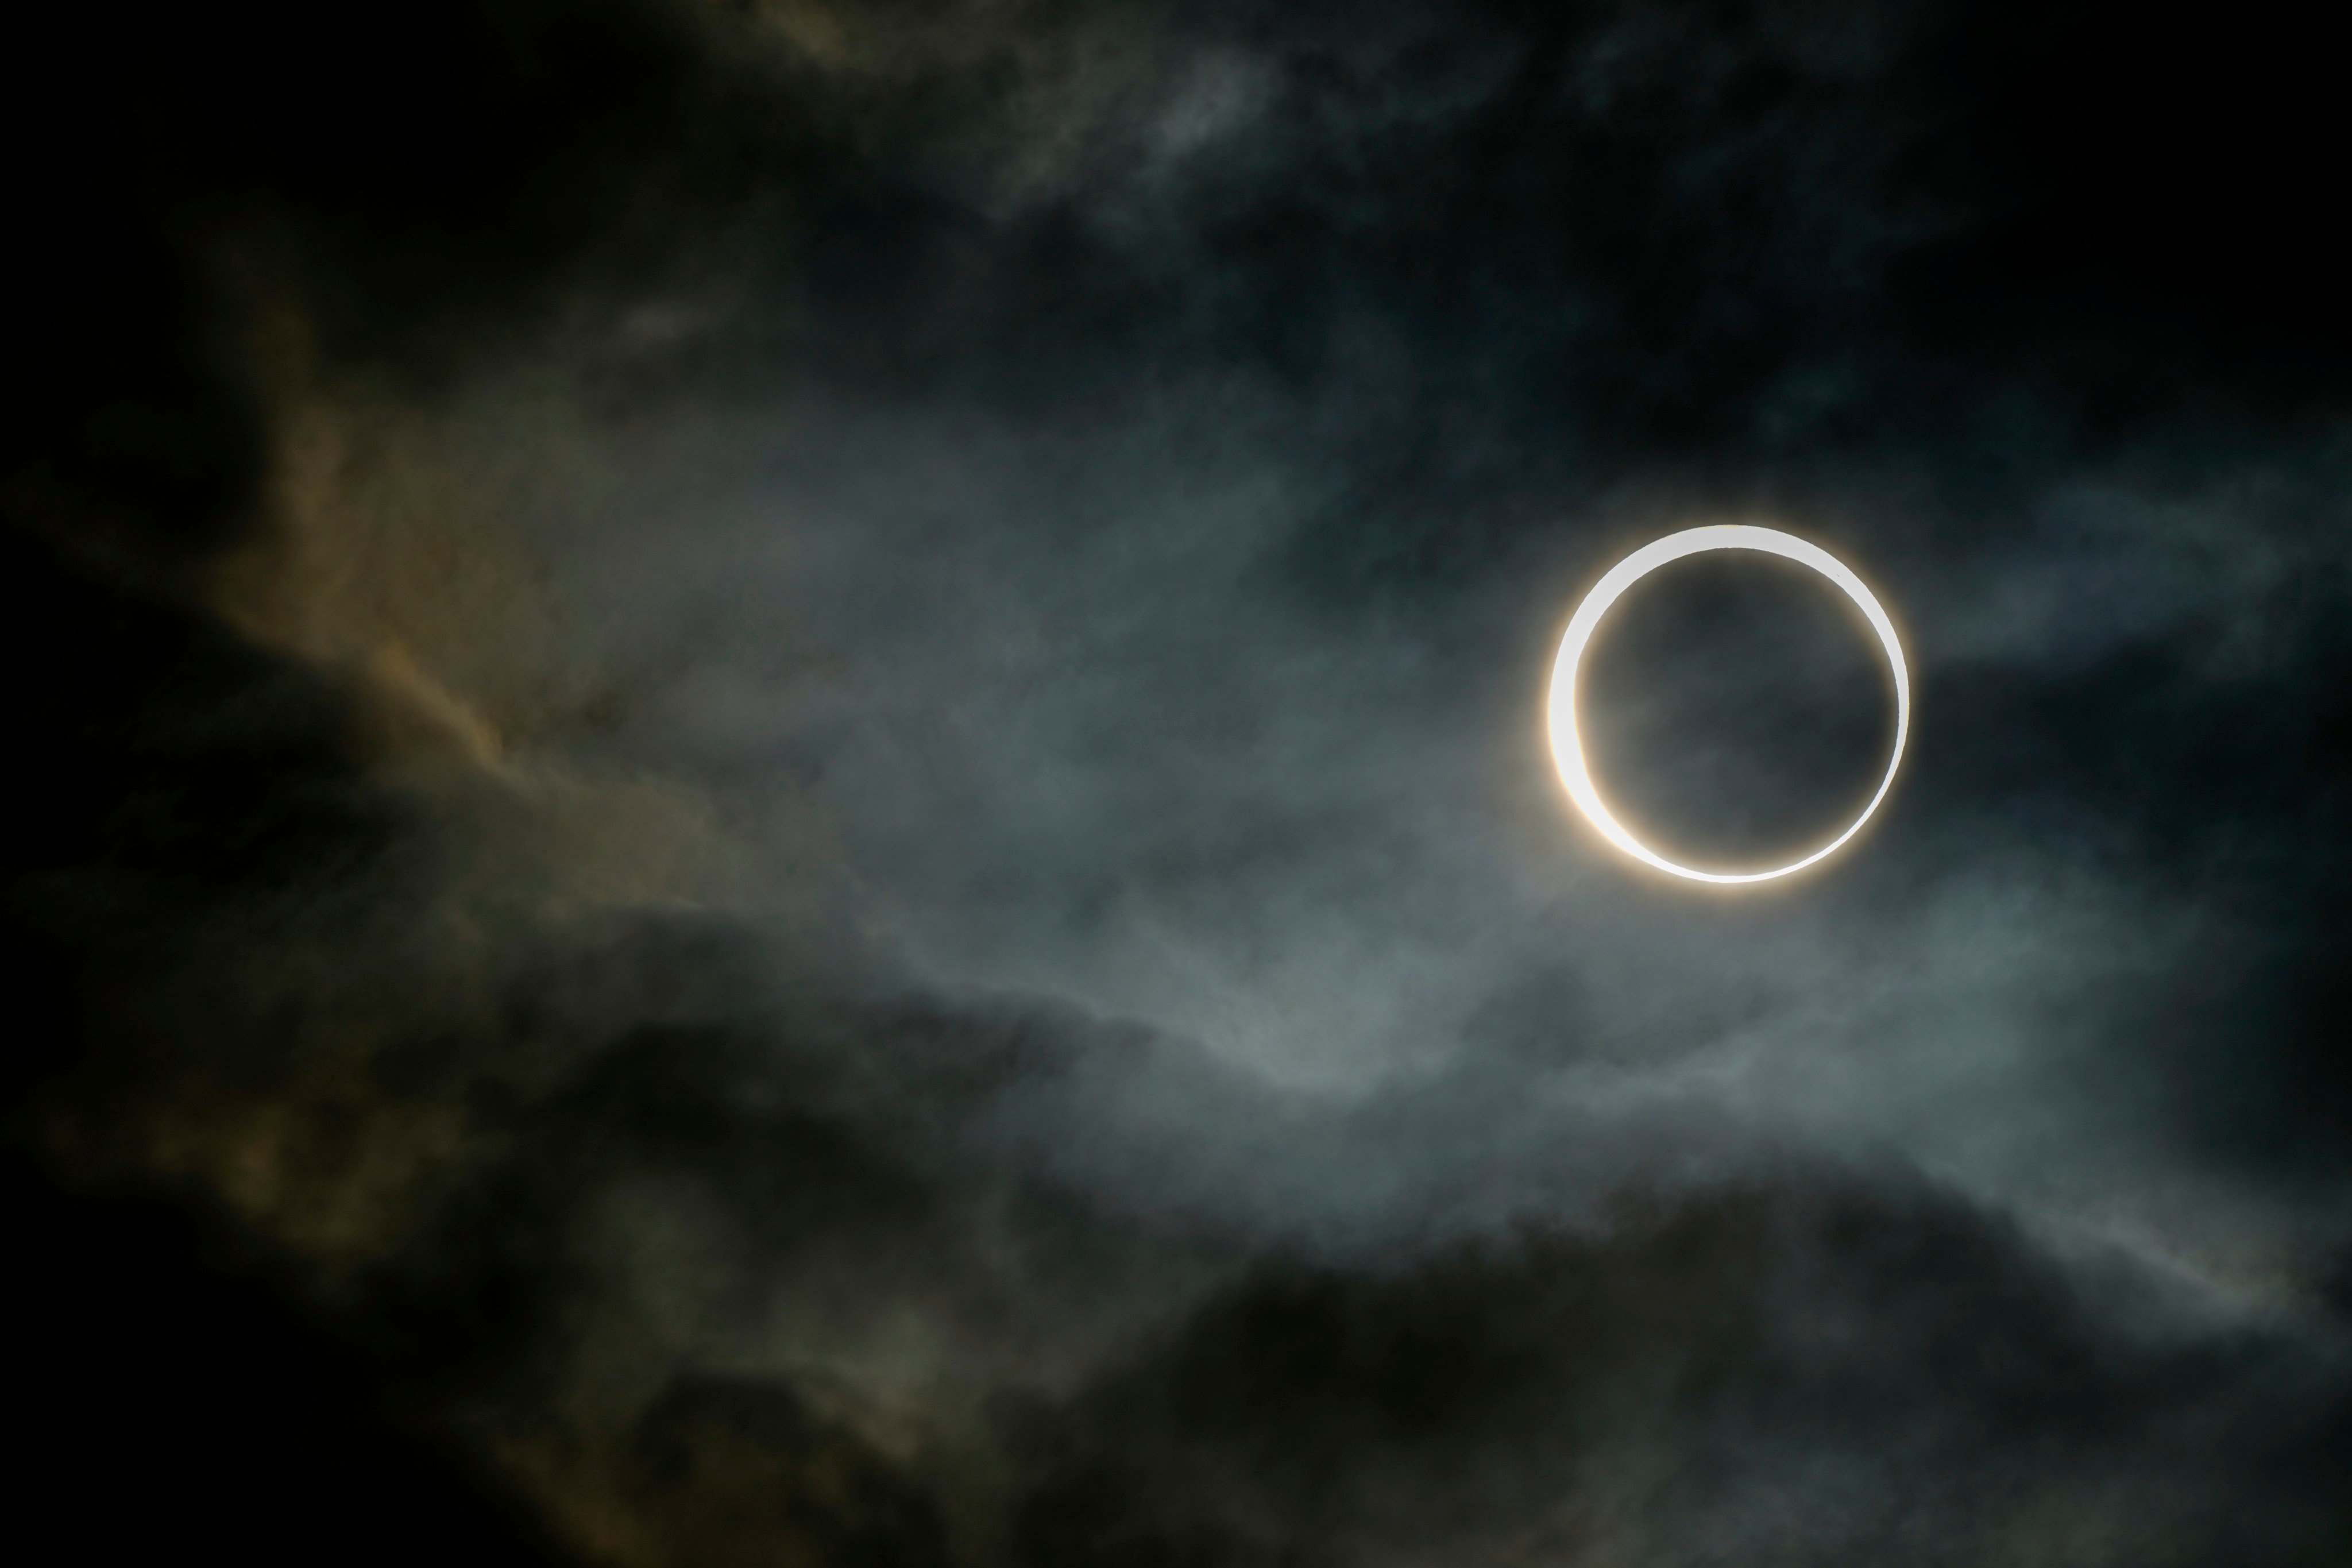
<point x="1568" y="746"/>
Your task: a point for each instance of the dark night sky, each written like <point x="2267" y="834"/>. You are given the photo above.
<point x="780" y="792"/>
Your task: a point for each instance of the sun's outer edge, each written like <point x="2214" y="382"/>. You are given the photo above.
<point x="1567" y="748"/>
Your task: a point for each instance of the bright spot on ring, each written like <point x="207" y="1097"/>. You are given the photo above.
<point x="1568" y="746"/>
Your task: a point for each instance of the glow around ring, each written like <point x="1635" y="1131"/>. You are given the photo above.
<point x="1567" y="748"/>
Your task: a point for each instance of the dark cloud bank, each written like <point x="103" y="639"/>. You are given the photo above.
<point x="777" y="792"/>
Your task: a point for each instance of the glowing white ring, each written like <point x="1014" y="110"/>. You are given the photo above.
<point x="1567" y="749"/>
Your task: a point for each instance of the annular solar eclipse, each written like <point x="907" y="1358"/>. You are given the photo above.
<point x="1567" y="742"/>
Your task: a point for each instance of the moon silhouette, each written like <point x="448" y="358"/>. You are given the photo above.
<point x="1568" y="746"/>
